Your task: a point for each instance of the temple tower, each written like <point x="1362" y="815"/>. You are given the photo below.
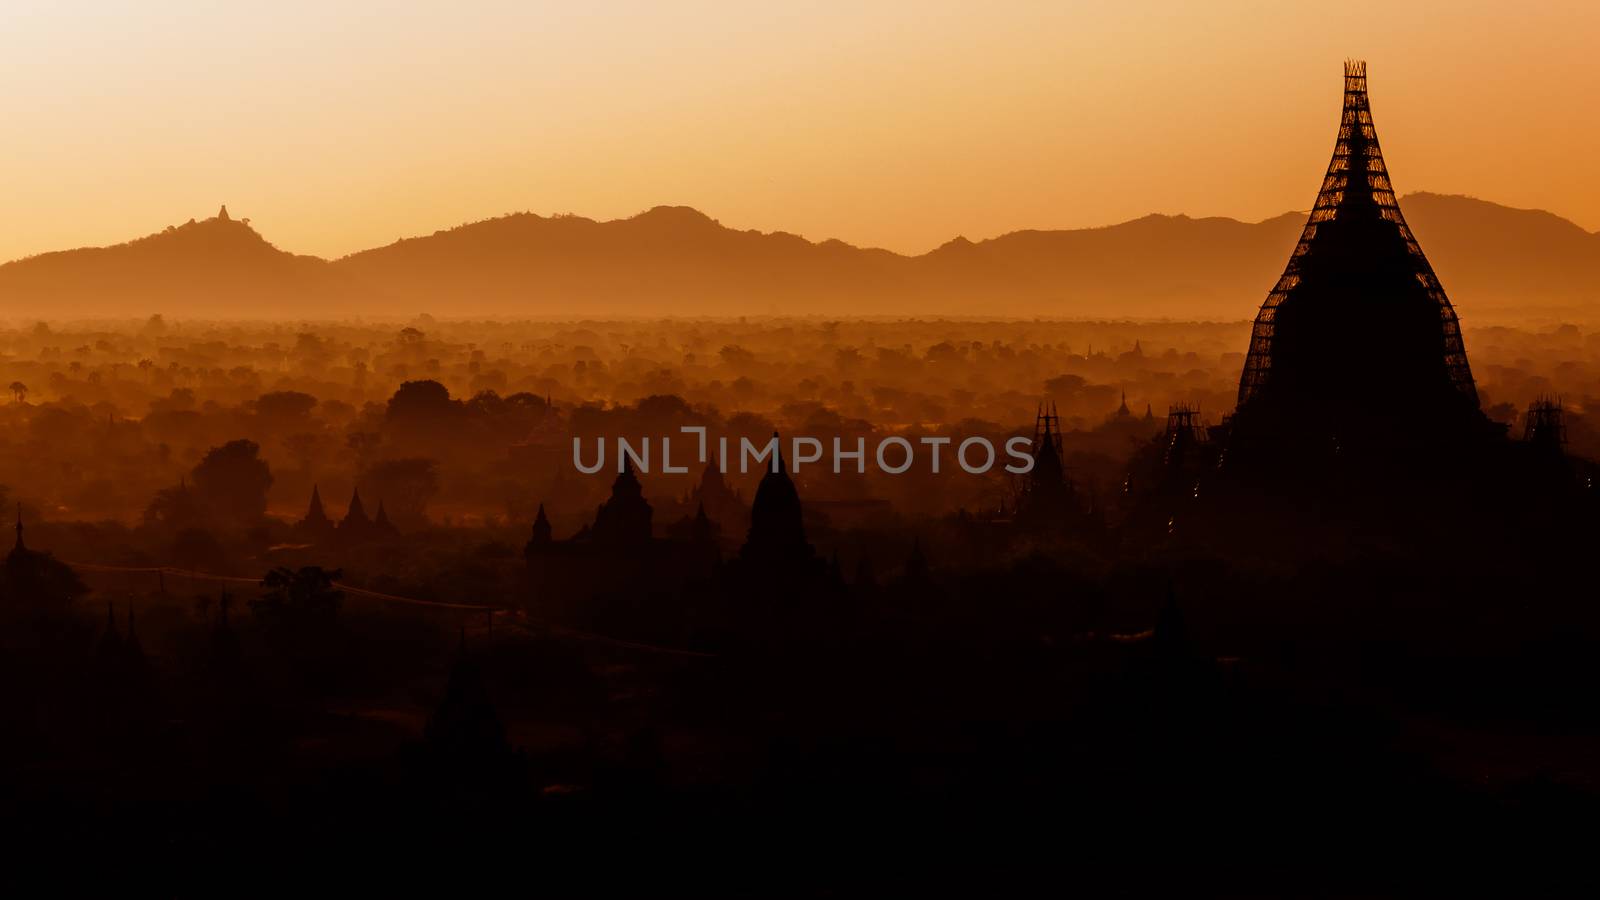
<point x="1544" y="426"/>
<point x="625" y="519"/>
<point x="1357" y="336"/>
<point x="316" y="524"/>
<point x="777" y="537"/>
<point x="1048" y="497"/>
<point x="542" y="536"/>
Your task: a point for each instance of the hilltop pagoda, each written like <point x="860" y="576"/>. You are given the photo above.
<point x="1357" y="344"/>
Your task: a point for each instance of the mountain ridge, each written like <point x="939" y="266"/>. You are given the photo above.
<point x="677" y="260"/>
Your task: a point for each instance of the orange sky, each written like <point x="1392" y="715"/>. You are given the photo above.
<point x="341" y="125"/>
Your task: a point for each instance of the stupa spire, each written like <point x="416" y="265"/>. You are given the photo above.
<point x="1358" y="314"/>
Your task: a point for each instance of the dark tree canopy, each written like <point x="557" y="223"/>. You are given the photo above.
<point x="421" y="401"/>
<point x="285" y="406"/>
<point x="232" y="480"/>
<point x="298" y="600"/>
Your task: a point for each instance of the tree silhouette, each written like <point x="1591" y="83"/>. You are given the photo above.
<point x="296" y="601"/>
<point x="421" y="402"/>
<point x="19" y="390"/>
<point x="233" y="479"/>
<point x="279" y="407"/>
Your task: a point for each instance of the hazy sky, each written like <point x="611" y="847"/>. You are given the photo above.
<point x="340" y="125"/>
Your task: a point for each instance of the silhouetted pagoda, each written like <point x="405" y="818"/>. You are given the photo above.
<point x="777" y="538"/>
<point x="541" y="539"/>
<point x="776" y="574"/>
<point x="624" y="521"/>
<point x="1544" y="426"/>
<point x="1544" y="446"/>
<point x="465" y="727"/>
<point x="20" y="554"/>
<point x="355" y="523"/>
<point x="1048" y="498"/>
<point x="381" y="526"/>
<point x="35" y="578"/>
<point x="316" y="525"/>
<point x="1356" y="343"/>
<point x="721" y="503"/>
<point x="464" y="742"/>
<point x="1164" y="478"/>
<point x="358" y="528"/>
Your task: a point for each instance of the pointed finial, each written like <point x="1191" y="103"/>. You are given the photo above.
<point x="777" y="454"/>
<point x="540" y="533"/>
<point x="19" y="526"/>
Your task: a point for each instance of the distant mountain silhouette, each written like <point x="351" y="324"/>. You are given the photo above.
<point x="677" y="261"/>
<point x="218" y="267"/>
<point x="667" y="261"/>
<point x="1495" y="258"/>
